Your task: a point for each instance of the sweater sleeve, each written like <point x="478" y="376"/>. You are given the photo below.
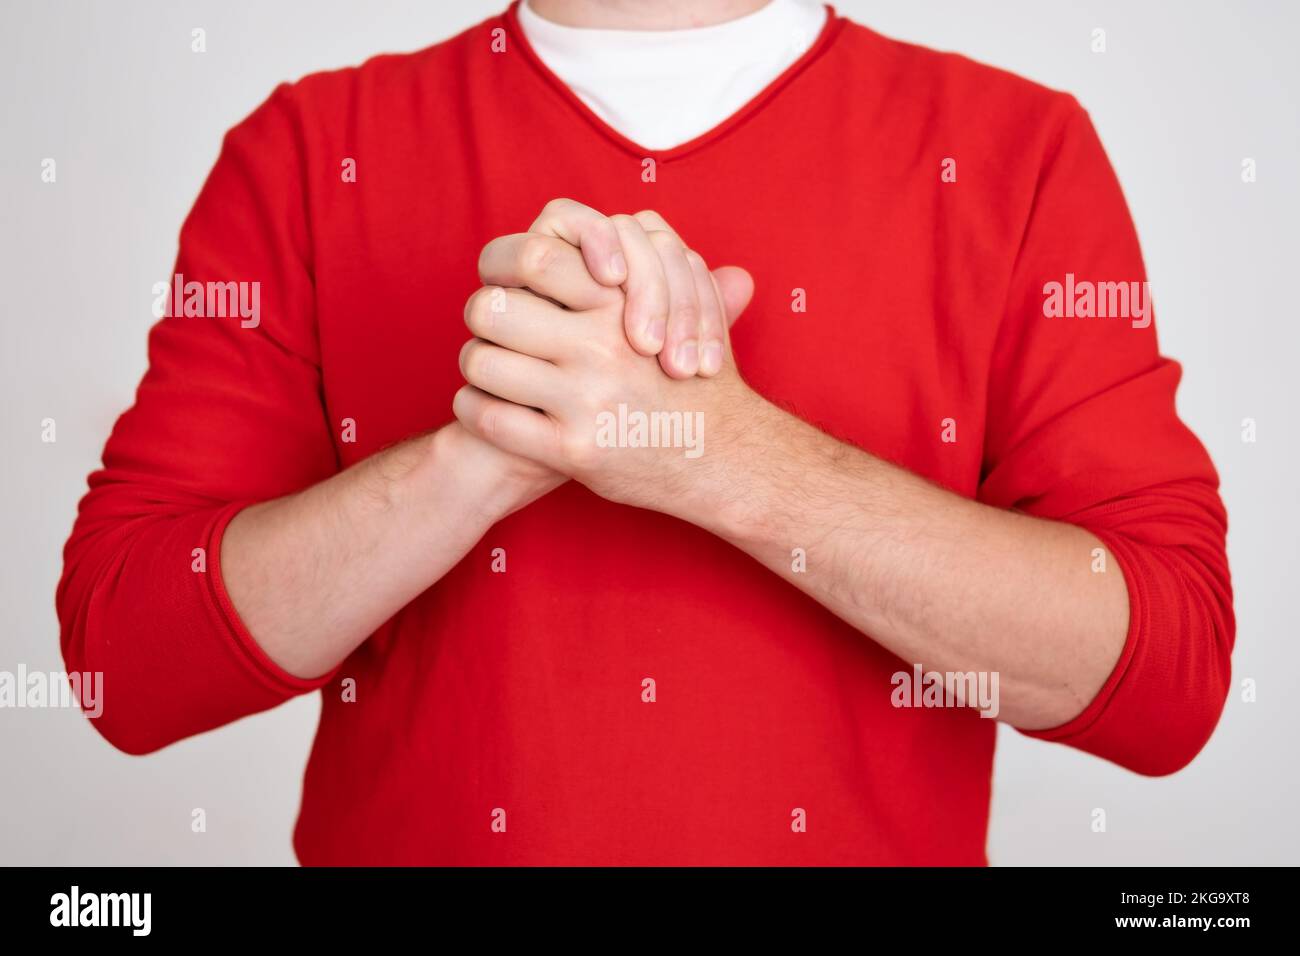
<point x="1082" y="428"/>
<point x="229" y="412"/>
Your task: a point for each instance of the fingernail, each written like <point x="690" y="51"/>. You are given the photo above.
<point x="618" y="265"/>
<point x="711" y="359"/>
<point x="657" y="331"/>
<point x="686" y="358"/>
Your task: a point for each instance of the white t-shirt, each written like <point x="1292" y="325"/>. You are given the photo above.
<point x="662" y="88"/>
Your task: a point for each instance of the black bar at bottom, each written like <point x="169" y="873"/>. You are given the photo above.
<point x="456" y="908"/>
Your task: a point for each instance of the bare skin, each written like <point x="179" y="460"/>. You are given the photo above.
<point x="903" y="561"/>
<point x="383" y="531"/>
<point x="374" y="537"/>
<point x="378" y="534"/>
<point x="643" y="14"/>
<point x="933" y="577"/>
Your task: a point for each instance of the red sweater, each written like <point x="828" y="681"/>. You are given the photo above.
<point x="522" y="691"/>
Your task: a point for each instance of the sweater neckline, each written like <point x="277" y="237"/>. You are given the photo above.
<point x="830" y="30"/>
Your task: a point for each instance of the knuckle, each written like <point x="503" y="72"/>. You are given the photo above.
<point x="686" y="313"/>
<point x="558" y="204"/>
<point x="605" y="226"/>
<point x="536" y="255"/>
<point x="662" y="238"/>
<point x="594" y="399"/>
<point x="578" y="447"/>
<point x="488" y="422"/>
<point x="654" y="303"/>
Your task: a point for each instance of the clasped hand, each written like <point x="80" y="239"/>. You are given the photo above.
<point x="601" y="353"/>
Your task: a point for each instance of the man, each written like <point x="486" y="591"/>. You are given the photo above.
<point x="659" y="592"/>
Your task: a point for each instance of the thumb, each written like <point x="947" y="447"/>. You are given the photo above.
<point x="736" y="288"/>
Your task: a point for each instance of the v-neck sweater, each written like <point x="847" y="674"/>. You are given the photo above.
<point x="908" y="217"/>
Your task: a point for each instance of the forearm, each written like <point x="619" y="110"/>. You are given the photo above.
<point x="315" y="573"/>
<point x="933" y="577"/>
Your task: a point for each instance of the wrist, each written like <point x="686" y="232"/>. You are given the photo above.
<point x="486" y="482"/>
<point x="729" y="495"/>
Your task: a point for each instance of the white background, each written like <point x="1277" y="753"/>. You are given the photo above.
<point x="1183" y="93"/>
